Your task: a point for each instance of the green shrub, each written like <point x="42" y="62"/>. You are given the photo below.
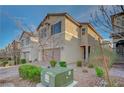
<point x="9" y="58"/>
<point x="99" y="72"/>
<point x="30" y="72"/>
<point x="5" y="63"/>
<point x="79" y="63"/>
<point x="90" y="65"/>
<point x="62" y="64"/>
<point x="53" y="63"/>
<point x="23" y="61"/>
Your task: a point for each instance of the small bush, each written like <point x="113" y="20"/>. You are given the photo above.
<point x="79" y="63"/>
<point x="53" y="63"/>
<point x="5" y="63"/>
<point x="9" y="58"/>
<point x="99" y="72"/>
<point x="30" y="72"/>
<point x="90" y="65"/>
<point x="23" y="61"/>
<point x="62" y="64"/>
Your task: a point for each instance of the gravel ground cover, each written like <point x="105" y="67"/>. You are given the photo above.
<point x="86" y="77"/>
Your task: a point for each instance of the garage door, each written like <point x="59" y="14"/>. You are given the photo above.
<point x="52" y="53"/>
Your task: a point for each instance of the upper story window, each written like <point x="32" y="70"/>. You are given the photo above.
<point x="56" y="28"/>
<point x="43" y="33"/>
<point x="83" y="30"/>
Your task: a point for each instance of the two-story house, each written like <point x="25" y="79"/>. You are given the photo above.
<point x="118" y="33"/>
<point x="15" y="50"/>
<point x="61" y="37"/>
<point x="28" y="46"/>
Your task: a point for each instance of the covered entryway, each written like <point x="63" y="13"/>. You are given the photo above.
<point x="85" y="52"/>
<point x="49" y="54"/>
<point x="120" y="48"/>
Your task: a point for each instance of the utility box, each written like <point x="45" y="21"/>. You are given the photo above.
<point x="57" y="77"/>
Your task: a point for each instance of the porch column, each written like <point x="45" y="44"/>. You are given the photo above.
<point x="86" y="60"/>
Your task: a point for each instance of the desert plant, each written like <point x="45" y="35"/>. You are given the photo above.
<point x="9" y="59"/>
<point x="99" y="71"/>
<point x="5" y="63"/>
<point x="23" y="61"/>
<point x="53" y="63"/>
<point x="62" y="64"/>
<point x="79" y="63"/>
<point x="30" y="72"/>
<point x="90" y="65"/>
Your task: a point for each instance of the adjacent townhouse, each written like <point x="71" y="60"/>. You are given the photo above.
<point x="118" y="33"/>
<point x="107" y="44"/>
<point x="12" y="50"/>
<point x="9" y="51"/>
<point x="15" y="50"/>
<point x="61" y="37"/>
<point x="29" y="46"/>
<point x="2" y="53"/>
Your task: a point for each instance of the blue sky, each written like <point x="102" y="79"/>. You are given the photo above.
<point x="33" y="15"/>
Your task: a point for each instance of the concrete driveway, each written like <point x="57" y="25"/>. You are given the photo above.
<point x="117" y="72"/>
<point x="7" y="72"/>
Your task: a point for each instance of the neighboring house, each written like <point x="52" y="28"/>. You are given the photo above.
<point x="15" y="50"/>
<point x="63" y="38"/>
<point x="107" y="44"/>
<point x="29" y="49"/>
<point x="118" y="33"/>
<point x="9" y="51"/>
<point x="2" y="53"/>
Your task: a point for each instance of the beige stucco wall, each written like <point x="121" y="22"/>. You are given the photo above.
<point x="71" y="51"/>
<point x="93" y="34"/>
<point x="54" y="41"/>
<point x="70" y="39"/>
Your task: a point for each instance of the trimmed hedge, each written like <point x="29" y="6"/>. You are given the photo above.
<point x="63" y="64"/>
<point x="30" y="72"/>
<point x="53" y="63"/>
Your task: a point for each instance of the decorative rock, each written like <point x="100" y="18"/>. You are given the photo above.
<point x="102" y="83"/>
<point x="85" y="70"/>
<point x="40" y="85"/>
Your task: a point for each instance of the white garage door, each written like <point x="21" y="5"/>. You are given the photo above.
<point x="52" y="53"/>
